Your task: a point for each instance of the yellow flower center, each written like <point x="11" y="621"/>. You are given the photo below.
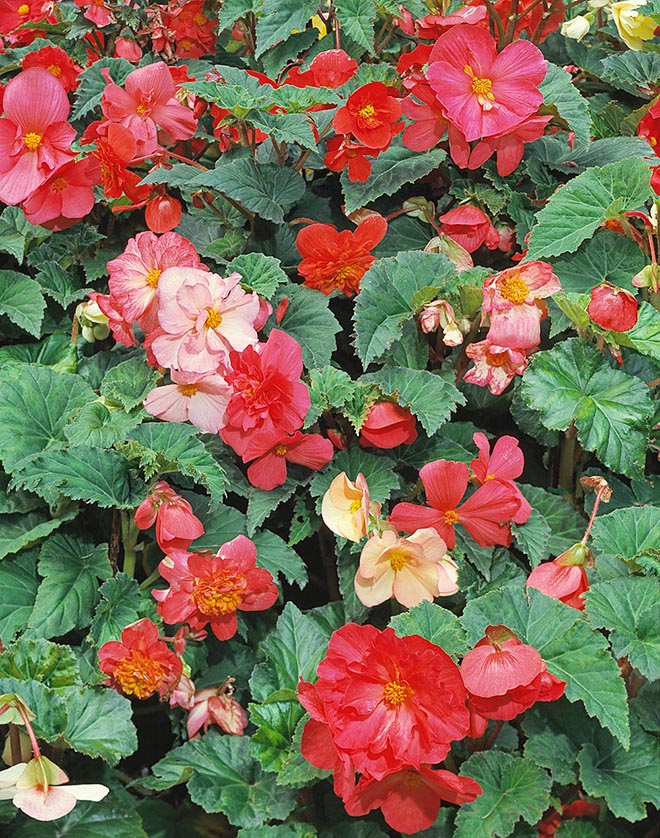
<point x="54" y="70"/>
<point x="218" y="595"/>
<point x="368" y="113"/>
<point x="188" y="390"/>
<point x="23" y="9"/>
<point x="481" y="88"/>
<point x="498" y="360"/>
<point x="141" y="109"/>
<point x="514" y="289"/>
<point x="32" y="141"/>
<point x="186" y="45"/>
<point x="356" y="505"/>
<point x="200" y="20"/>
<point x="139" y="675"/>
<point x="214" y="318"/>
<point x="280" y="451"/>
<point x="152" y="277"/>
<point x="59" y="184"/>
<point x="396" y="693"/>
<point x="398" y="559"/>
<point x="653" y="142"/>
<point x="411" y="779"/>
<point x="451" y="516"/>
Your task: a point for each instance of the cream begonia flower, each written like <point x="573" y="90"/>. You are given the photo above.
<point x="346" y="507"/>
<point x="634" y="28"/>
<point x="576" y="28"/>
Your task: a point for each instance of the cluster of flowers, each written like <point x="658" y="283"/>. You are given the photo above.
<point x="389" y="708"/>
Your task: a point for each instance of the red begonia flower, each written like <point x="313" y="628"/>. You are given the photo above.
<point x="613" y="308"/>
<point x="387" y="425"/>
<point x="649" y="128"/>
<point x="272" y="450"/>
<point x="176" y="524"/>
<point x="66" y="197"/>
<point x="58" y="64"/>
<point x="371" y="114"/>
<point x="469" y="227"/>
<point x="432" y="26"/>
<point x="505" y="463"/>
<point x="163" y="213"/>
<point x="510" y="146"/>
<point x="532" y="18"/>
<point x="328" y="69"/>
<point x="342" y="153"/>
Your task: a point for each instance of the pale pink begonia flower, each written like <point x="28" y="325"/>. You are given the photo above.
<point x="135" y="273"/>
<point x="8" y="779"/>
<point x="495" y="366"/>
<point x="148" y="102"/>
<point x="35" y="138"/>
<point x="439" y="314"/>
<point x="202" y="318"/>
<point x="522" y="284"/>
<point x="183" y="695"/>
<point x="199" y="399"/>
<point x="518" y="328"/>
<point x="411" y="569"/>
<point x="346" y="507"/>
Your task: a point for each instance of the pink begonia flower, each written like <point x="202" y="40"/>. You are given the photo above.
<point x="122" y="331"/>
<point x="35" y="139"/>
<point x="127" y="48"/>
<point x="199" y="399"/>
<point x="495" y="366"/>
<point x="176" y="524"/>
<point x="272" y="450"/>
<point x="410" y="569"/>
<point x="215" y="705"/>
<point x="39" y="793"/>
<point x="183" y="695"/>
<point x="469" y="227"/>
<point x="518" y="328"/>
<point x="202" y="318"/>
<point x="135" y="273"/>
<point x="510" y="146"/>
<point x="485" y="93"/>
<point x="15" y="13"/>
<point x="429" y="124"/>
<point x="504" y="463"/>
<point x="147" y="102"/>
<point x="97" y="11"/>
<point x="346" y="507"/>
<point x="523" y="284"/>
<point x="267" y="393"/>
<point x="439" y="314"/>
<point x="66" y="197"/>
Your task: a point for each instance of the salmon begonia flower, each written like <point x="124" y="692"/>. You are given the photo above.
<point x="371" y="115"/>
<point x="35" y="139"/>
<point x="509" y="146"/>
<point x="613" y="308"/>
<point x="485" y="514"/>
<point x="495" y="366"/>
<point x="337" y="261"/>
<point x="176" y="524"/>
<point x="209" y="589"/>
<point x="469" y="227"/>
<point x="122" y="331"/>
<point x="140" y="664"/>
<point x="98" y="11"/>
<point x="346" y="507"/>
<point x="504" y="463"/>
<point x="565" y="577"/>
<point x="523" y="284"/>
<point x="215" y="705"/>
<point x="410" y="569"/>
<point x="199" y="399"/>
<point x="386" y="426"/>
<point x="485" y="93"/>
<point x="272" y="450"/>
<point x="66" y="197"/>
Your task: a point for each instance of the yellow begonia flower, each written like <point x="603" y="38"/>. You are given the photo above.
<point x="633" y="27"/>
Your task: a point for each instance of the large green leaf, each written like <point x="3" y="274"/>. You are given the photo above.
<point x="39" y="401"/>
<point x="434" y="623"/>
<point x="391" y="170"/>
<point x="274" y="554"/>
<point x="67" y="596"/>
<point x="357" y="21"/>
<point x="607" y="257"/>
<point x="48" y="706"/>
<point x="279" y="18"/>
<point x="25" y="528"/>
<point x="309" y="320"/>
<point x="100" y="724"/>
<point x="39" y="660"/>
<point x="631" y="535"/>
<point x="629" y="608"/>
<point x="512" y="788"/>
<point x="276" y="721"/>
<point x="612" y="410"/>
<point x="18" y="590"/>
<point x="638" y="69"/>
<point x="558" y="90"/>
<point x="99" y="427"/>
<point x="645" y="334"/>
<point x="578" y="208"/>
<point x="22" y="301"/>
<point x="387" y="298"/>
<point x="573" y="651"/>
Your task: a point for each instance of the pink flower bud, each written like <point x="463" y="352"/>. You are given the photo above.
<point x="162" y="214"/>
<point x="613" y="308"/>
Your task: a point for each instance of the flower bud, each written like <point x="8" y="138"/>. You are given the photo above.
<point x="612" y="308"/>
<point x="576" y="28"/>
<point x="162" y="214"/>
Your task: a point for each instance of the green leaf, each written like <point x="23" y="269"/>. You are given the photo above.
<point x="626" y="779"/>
<point x="61" y="285"/>
<point x="39" y="660"/>
<point x="612" y="410"/>
<point x="262" y="503"/>
<point x="555" y="734"/>
<point x="391" y="170"/>
<point x="100" y="724"/>
<point x="629" y="608"/>
<point x="578" y="208"/>
<point x="129" y="383"/>
<point x="278" y="20"/>
<point x="283" y="830"/>
<point x="428" y="396"/>
<point x="558" y="90"/>
<point x="646" y="706"/>
<point x="607" y="257"/>
<point x="24" y="529"/>
<point x="121" y="604"/>
<point x="18" y="589"/>
<point x="96" y="426"/>
<point x="639" y="69"/>
<point x="94" y="475"/>
<point x="378" y="470"/>
<point x="533" y="538"/>
<point x="436" y="624"/>
<point x="54" y="351"/>
<point x="16" y="232"/>
<point x="645" y="334"/>
<point x="231" y="10"/>
<point x="573" y="651"/>
<point x="329" y="388"/>
<point x="513" y="788"/>
<point x="356" y="18"/>
<point x="222" y="776"/>
<point x="48" y="706"/>
<point x="631" y="535"/>
<point x="276" y="59"/>
<point x="309" y="320"/>
<point x="87" y="820"/>
<point x="39" y="401"/>
<point x="68" y="593"/>
<point x="259" y="273"/>
<point x="566" y="524"/>
<point x="295" y="770"/>
<point x="386" y="298"/>
<point x="276" y="720"/>
<point x="576" y="829"/>
<point x="286" y="127"/>
<point x="266" y="189"/>
<point x="274" y="554"/>
<point x="22" y="301"/>
<point x="93" y="83"/>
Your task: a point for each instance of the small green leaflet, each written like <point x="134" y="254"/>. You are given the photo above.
<point x="631" y="535"/>
<point x="357" y="21"/>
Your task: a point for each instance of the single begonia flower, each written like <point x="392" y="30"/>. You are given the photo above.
<point x="346" y="507"/>
<point x="469" y="227"/>
<point x="371" y="115"/>
<point x="66" y="197"/>
<point x="504" y="463"/>
<point x="57" y="62"/>
<point x="199" y="399"/>
<point x="495" y="366"/>
<point x="176" y="524"/>
<point x="270" y="451"/>
<point x="565" y="577"/>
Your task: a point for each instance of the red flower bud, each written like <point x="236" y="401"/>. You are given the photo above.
<point x="612" y="308"/>
<point x="388" y="425"/>
<point x="162" y="214"/>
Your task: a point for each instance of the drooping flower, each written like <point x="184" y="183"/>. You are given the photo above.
<point x="128" y="49"/>
<point x="410" y="569"/>
<point x="504" y="463"/>
<point x="613" y="308"/>
<point x="98" y="11"/>
<point x="565" y="577"/>
<point x="35" y="139"/>
<point x="140" y="664"/>
<point x="485" y="93"/>
<point x="163" y="213"/>
<point x="58" y="64"/>
<point x="439" y="314"/>
<point x="346" y="507"/>
<point x="216" y="705"/>
<point x="378" y="700"/>
<point x="495" y="366"/>
<point x="337" y="261"/>
<point x="270" y="451"/>
<point x="176" y="524"/>
<point x="202" y="318"/>
<point x="387" y="425"/>
<point x="371" y="115"/>
<point x="485" y="514"/>
<point x="66" y="197"/>
<point x="469" y="227"/>
<point x="410" y="798"/>
<point x="122" y="331"/>
<point x="509" y="146"/>
<point x="209" y="589"/>
<point x="521" y="285"/>
<point x="199" y="399"/>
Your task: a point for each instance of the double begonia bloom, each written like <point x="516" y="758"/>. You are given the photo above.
<point x="134" y="274"/>
<point x="328" y="69"/>
<point x="485" y="514"/>
<point x="565" y="577"/>
<point x="346" y="507"/>
<point x="383" y="702"/>
<point x="267" y="393"/>
<point x="337" y="261"/>
<point x="192" y="30"/>
<point x="613" y="308"/>
<point x="469" y="227"/>
<point x="58" y="64"/>
<point x="66" y="197"/>
<point x="140" y="664"/>
<point x="176" y="524"/>
<point x="504" y="463"/>
<point x="202" y="318"/>
<point x="146" y="103"/>
<point x="504" y="676"/>
<point x="371" y="115"/>
<point x="199" y="399"/>
<point x="209" y="589"/>
<point x="35" y="138"/>
<point x="387" y="425"/>
<point x="410" y="569"/>
<point x="410" y="798"/>
<point x="485" y="93"/>
<point x="272" y="450"/>
<point x="495" y="366"/>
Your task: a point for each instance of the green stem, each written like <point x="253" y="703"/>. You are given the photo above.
<point x="129" y="537"/>
<point x="153" y="576"/>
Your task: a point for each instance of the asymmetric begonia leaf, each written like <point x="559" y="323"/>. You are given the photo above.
<point x="260" y="273"/>
<point x="645" y="334"/>
<point x="121" y="604"/>
<point x="558" y="89"/>
<point x="97" y="426"/>
<point x="100" y="724"/>
<point x="93" y="83"/>
<point x="262" y="503"/>
<point x="632" y="67"/>
<point x="436" y="624"/>
<point x="310" y="321"/>
<point x="533" y="537"/>
<point x="607" y="257"/>
<point x="631" y="535"/>
<point x="566" y="524"/>
<point x="276" y="720"/>
<point x="22" y="301"/>
<point x="129" y="383"/>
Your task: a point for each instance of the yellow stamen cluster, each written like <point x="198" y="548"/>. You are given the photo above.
<point x="139" y="675"/>
<point x="398" y="559"/>
<point x="188" y="390"/>
<point x="218" y="595"/>
<point x="451" y="517"/>
<point x="32" y="140"/>
<point x="396" y="693"/>
<point x="481" y="87"/>
<point x="214" y="318"/>
<point x="514" y="289"/>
